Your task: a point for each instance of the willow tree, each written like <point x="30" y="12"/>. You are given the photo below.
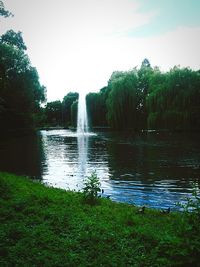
<point x="144" y="76"/>
<point x="67" y="102"/>
<point x="155" y="99"/>
<point x="173" y="102"/>
<point x="96" y="107"/>
<point x="74" y="113"/>
<point x="124" y="101"/>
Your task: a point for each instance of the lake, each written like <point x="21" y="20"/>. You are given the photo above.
<point x="156" y="169"/>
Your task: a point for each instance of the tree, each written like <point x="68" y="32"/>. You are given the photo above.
<point x="74" y="113"/>
<point x="144" y="75"/>
<point x="67" y="102"/>
<point x="154" y="99"/>
<point x="20" y="89"/>
<point x="53" y="112"/>
<point x="173" y="101"/>
<point x="14" y="39"/>
<point x="96" y="107"/>
<point x="124" y="101"/>
<point x="3" y="12"/>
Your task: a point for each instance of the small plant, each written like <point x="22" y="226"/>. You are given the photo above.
<point x="192" y="204"/>
<point x="91" y="188"/>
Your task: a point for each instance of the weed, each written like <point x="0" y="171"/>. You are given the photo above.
<point x="192" y="204"/>
<point x="91" y="188"/>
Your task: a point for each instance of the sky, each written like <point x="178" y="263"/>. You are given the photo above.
<point x="77" y="44"/>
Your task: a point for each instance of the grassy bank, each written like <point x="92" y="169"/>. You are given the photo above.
<point x="42" y="226"/>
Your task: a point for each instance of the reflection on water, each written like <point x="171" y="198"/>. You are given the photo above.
<point x="66" y="162"/>
<point x="152" y="169"/>
<point x="82" y="155"/>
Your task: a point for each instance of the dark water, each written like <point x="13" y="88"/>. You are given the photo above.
<point x="155" y="169"/>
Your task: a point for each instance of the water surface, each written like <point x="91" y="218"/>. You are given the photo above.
<point x="153" y="169"/>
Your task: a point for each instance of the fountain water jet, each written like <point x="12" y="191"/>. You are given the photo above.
<point x="82" y="121"/>
<point x="82" y="136"/>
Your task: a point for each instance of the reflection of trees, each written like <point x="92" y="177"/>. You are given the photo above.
<point x="70" y="145"/>
<point x="154" y="156"/>
<point x="149" y="157"/>
<point x="97" y="152"/>
<point x="154" y="169"/>
<point x="96" y="159"/>
<point x="22" y="155"/>
<point x="127" y="155"/>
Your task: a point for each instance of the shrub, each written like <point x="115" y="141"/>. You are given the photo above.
<point x="91" y="188"/>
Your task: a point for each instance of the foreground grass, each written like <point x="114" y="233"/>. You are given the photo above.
<point x="42" y="226"/>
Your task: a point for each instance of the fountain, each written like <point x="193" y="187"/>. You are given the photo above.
<point x="82" y="121"/>
<point x="82" y="136"/>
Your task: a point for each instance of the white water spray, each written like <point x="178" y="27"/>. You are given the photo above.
<point x="82" y="121"/>
<point x="82" y="136"/>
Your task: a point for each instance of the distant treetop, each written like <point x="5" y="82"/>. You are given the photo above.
<point x="13" y="38"/>
<point x="3" y="12"/>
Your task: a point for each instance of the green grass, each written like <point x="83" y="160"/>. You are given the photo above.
<point x="41" y="226"/>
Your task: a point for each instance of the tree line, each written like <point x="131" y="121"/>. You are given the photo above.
<point x="59" y="113"/>
<point x="143" y="98"/>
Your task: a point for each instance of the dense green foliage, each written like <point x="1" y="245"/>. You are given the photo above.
<point x="42" y="226"/>
<point x="173" y="101"/>
<point x="145" y="98"/>
<point x="68" y="100"/>
<point x="57" y="113"/>
<point x="96" y="107"/>
<point x="124" y="101"/>
<point x="53" y="112"/>
<point x="74" y="113"/>
<point x="20" y="89"/>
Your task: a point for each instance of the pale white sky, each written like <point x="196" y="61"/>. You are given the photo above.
<point x="77" y="44"/>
